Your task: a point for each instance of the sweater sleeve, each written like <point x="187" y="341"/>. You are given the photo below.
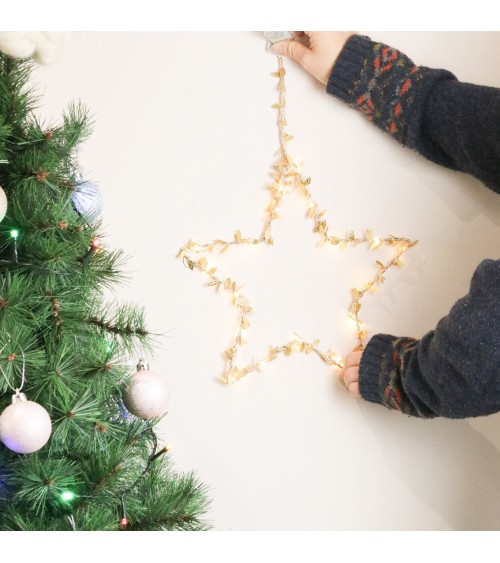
<point x="454" y="370"/>
<point x="452" y="123"/>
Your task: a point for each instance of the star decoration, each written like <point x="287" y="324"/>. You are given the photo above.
<point x="287" y="178"/>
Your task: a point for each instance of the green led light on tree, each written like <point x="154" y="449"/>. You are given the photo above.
<point x="67" y="496"/>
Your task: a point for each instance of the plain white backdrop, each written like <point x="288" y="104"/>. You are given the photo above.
<point x="183" y="145"/>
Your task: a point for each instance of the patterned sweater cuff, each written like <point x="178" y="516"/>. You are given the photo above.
<point x="383" y="372"/>
<point x="372" y="382"/>
<point x="348" y="67"/>
<point x="387" y="87"/>
<point x="379" y="81"/>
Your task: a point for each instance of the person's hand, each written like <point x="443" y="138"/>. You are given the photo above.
<point x="319" y="56"/>
<point x="349" y="374"/>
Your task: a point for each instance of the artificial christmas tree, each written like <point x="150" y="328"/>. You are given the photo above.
<point x="73" y="456"/>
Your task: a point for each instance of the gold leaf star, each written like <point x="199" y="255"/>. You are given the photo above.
<point x="286" y="179"/>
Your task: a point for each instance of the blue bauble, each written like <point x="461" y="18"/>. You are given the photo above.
<point x="87" y="199"/>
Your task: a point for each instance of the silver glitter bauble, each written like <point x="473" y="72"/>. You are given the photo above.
<point x="3" y="204"/>
<point x="87" y="199"/>
<point x="25" y="426"/>
<point x="146" y="395"/>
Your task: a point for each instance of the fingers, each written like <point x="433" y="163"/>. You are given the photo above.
<point x="349" y="374"/>
<point x="294" y="50"/>
<point x="352" y="359"/>
<point x="354" y="389"/>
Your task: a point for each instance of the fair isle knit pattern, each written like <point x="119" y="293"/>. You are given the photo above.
<point x="452" y="123"/>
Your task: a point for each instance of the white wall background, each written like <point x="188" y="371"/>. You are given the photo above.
<point x="183" y="144"/>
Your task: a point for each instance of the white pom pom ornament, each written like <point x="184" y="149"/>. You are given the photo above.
<point x="25" y="426"/>
<point x="146" y="395"/>
<point x="44" y="46"/>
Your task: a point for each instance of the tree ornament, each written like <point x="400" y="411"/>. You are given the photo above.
<point x="87" y="198"/>
<point x="25" y="426"/>
<point x="3" y="204"/>
<point x="146" y="395"/>
<point x="44" y="46"/>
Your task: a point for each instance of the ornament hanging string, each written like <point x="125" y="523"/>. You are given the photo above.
<point x="17" y="390"/>
<point x="287" y="177"/>
<point x="25" y="426"/>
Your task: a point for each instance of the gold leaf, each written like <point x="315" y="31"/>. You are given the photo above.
<point x="276" y="106"/>
<point x="355" y="293"/>
<point x="202" y="263"/>
<point x="233" y="375"/>
<point x="241" y="301"/>
<point x="214" y="282"/>
<point x="380" y="265"/>
<point x="358" y="348"/>
<point x="237" y="237"/>
<point x="413" y="243"/>
<point x="212" y="271"/>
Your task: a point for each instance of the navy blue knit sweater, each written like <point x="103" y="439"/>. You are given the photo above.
<point x="454" y="370"/>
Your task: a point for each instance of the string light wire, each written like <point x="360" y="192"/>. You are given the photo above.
<point x="287" y="178"/>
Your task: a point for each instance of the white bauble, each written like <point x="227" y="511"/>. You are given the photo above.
<point x="3" y="204"/>
<point x="146" y="395"/>
<point x="25" y="426"/>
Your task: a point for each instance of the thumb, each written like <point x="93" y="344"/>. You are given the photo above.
<point x="293" y="50"/>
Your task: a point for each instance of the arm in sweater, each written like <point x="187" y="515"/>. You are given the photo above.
<point x="452" y="123"/>
<point x="454" y="370"/>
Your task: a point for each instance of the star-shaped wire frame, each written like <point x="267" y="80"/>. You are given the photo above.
<point x="287" y="177"/>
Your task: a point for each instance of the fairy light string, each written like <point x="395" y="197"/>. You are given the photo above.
<point x="286" y="179"/>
